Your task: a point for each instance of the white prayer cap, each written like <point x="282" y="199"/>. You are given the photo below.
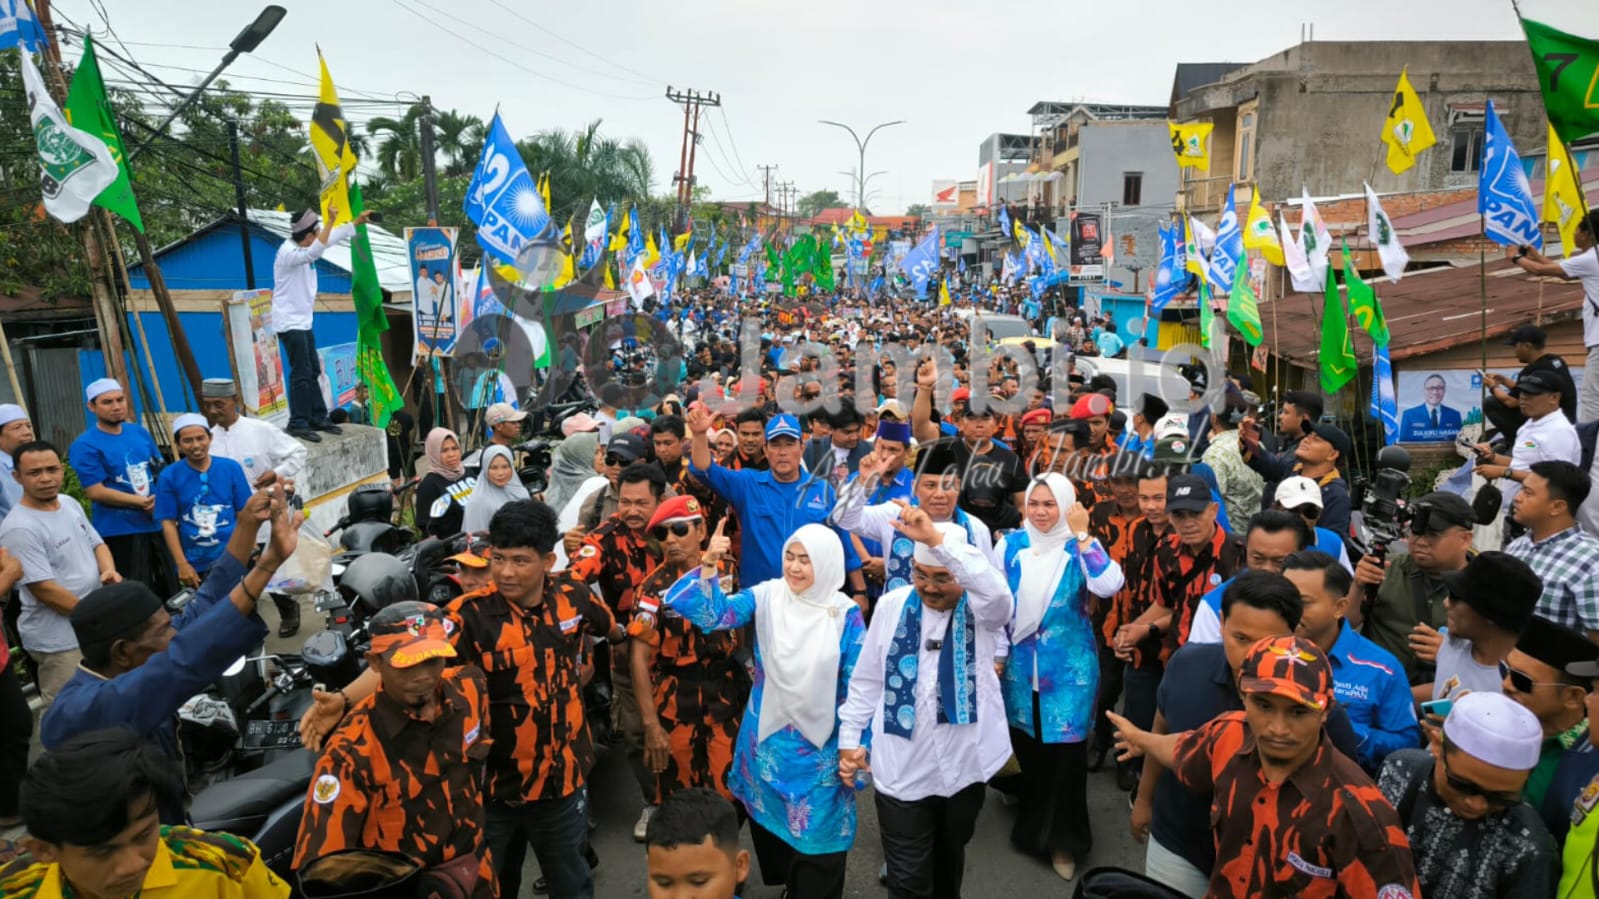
<point x="954" y="535"/>
<point x="1494" y="728"/>
<point x="189" y="420"/>
<point x="103" y="385"/>
<point x="10" y="412"/>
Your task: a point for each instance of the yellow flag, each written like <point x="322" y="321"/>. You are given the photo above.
<point x="1194" y="254"/>
<point x="1019" y="232"/>
<point x="1259" y="233"/>
<point x="681" y="241"/>
<point x="857" y="223"/>
<point x="567" y="274"/>
<point x="544" y="190"/>
<point x="330" y="146"/>
<point x="652" y="253"/>
<point x="1191" y="143"/>
<point x="610" y="282"/>
<point x="618" y="242"/>
<point x="1406" y="131"/>
<point x="1562" y="192"/>
<point x="943" y="293"/>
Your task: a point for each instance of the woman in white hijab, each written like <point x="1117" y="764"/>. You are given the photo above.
<point x="785" y="764"/>
<point x="497" y="484"/>
<point x="1055" y="570"/>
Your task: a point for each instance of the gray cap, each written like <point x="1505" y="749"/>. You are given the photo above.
<point x="218" y="387"/>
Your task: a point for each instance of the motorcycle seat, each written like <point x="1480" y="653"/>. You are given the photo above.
<point x="230" y="805"/>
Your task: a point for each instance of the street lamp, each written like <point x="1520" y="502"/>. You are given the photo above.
<point x="860" y="145"/>
<point x="246" y="42"/>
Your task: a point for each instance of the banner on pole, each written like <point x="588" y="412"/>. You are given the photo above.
<point x="1087" y="245"/>
<point x="255" y="352"/>
<point x="340" y="375"/>
<point x="431" y="254"/>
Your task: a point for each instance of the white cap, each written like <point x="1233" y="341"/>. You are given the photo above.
<point x="502" y="412"/>
<point x="103" y="385"/>
<point x="954" y="535"/>
<point x="1493" y="728"/>
<point x="1297" y="491"/>
<point x="189" y="420"/>
<point x="10" y="412"/>
<point x="1172" y="424"/>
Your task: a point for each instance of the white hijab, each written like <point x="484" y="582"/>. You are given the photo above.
<point x="1044" y="560"/>
<point x="799" y="635"/>
<point x="486" y="499"/>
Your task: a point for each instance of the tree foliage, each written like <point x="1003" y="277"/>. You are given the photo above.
<point x="813" y="203"/>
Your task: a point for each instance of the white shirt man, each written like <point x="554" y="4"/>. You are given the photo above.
<point x="1581" y="264"/>
<point x="294" y="281"/>
<point x="259" y="446"/>
<point x="930" y="774"/>
<point x="1545" y="437"/>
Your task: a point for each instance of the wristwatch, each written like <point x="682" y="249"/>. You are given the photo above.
<point x="1084" y="536"/>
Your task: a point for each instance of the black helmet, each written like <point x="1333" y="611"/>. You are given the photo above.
<point x="373" y="502"/>
<point x="376" y="581"/>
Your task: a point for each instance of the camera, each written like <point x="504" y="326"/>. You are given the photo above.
<point x="1384" y="509"/>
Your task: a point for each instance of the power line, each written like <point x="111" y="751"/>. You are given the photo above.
<point x="647" y="79"/>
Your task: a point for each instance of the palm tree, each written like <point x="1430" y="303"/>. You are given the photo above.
<point x="399" y="154"/>
<point x="585" y="165"/>
<point x="458" y="138"/>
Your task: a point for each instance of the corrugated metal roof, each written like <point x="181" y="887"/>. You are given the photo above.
<point x="1428" y="311"/>
<point x="1190" y="75"/>
<point x="388" y="249"/>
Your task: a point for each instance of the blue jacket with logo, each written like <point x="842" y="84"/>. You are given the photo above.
<point x="1371" y="686"/>
<point x="769" y="512"/>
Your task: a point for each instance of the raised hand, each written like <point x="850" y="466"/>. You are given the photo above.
<point x="1077" y="518"/>
<point x="916" y="524"/>
<point x="719" y="546"/>
<point x="700" y="419"/>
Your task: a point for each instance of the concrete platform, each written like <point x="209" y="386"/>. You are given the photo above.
<point x="338" y="465"/>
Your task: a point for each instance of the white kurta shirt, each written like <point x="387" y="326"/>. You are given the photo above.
<point x="294" y="281"/>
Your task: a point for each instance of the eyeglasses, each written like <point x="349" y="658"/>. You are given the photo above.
<point x="940" y="581"/>
<point x="678" y="529"/>
<point x="1465" y="787"/>
<point x="1521" y="681"/>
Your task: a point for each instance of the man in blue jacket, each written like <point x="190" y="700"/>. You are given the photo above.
<point x="1367" y="680"/>
<point x="141" y="664"/>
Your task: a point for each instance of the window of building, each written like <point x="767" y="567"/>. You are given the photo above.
<point x="1132" y="188"/>
<point x="1466" y="137"/>
<point x="1246" y="141"/>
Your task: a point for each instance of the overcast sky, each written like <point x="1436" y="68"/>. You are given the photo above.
<point x="956" y="72"/>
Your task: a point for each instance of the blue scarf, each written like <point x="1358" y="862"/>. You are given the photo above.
<point x="897" y="564"/>
<point x="957" y="679"/>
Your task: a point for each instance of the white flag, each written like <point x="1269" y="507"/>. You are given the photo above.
<point x="1304" y="277"/>
<point x="74" y="166"/>
<point x="594" y="227"/>
<point x="1315" y="239"/>
<point x="639" y="285"/>
<point x="1385" y="238"/>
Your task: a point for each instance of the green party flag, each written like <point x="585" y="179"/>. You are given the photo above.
<point x="1338" y="363"/>
<point x="370" y="321"/>
<point x="1243" y="310"/>
<point x="1364" y="304"/>
<point x="88" y="110"/>
<point x="1207" y="315"/>
<point x="1568" y="75"/>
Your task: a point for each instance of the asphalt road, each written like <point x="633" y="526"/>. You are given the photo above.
<point x="992" y="867"/>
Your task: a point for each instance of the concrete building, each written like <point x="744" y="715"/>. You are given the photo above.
<point x="1127" y="164"/>
<point x="1311" y="116"/>
<point x="1000" y="157"/>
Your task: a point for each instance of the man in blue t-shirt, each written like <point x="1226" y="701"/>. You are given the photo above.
<point x="117" y="463"/>
<point x="198" y="500"/>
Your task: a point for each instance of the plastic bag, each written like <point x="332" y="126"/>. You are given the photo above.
<point x="309" y="569"/>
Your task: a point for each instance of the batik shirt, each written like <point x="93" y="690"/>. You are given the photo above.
<point x="391" y="782"/>
<point x="1325" y="831"/>
<point x="1182" y="577"/>
<point x="788" y="785"/>
<point x="1505" y="854"/>
<point x="189" y="864"/>
<point x="530" y="658"/>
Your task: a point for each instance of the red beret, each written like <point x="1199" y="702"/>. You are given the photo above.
<point x="1090" y="405"/>
<point x="678" y="508"/>
<point x="1037" y="417"/>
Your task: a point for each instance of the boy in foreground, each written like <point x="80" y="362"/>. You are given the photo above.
<point x="691" y="847"/>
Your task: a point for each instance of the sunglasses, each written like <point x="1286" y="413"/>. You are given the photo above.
<point x="1467" y="788"/>
<point x="613" y="460"/>
<point x="678" y="529"/>
<point x="1308" y="512"/>
<point x="1522" y="682"/>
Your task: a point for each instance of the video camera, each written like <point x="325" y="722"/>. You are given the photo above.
<point x="1383" y="505"/>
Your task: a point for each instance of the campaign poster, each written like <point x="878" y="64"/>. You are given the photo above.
<point x="1434" y="404"/>
<point x="1087" y="246"/>
<point x="339" y="374"/>
<point x="255" y="351"/>
<point x="431" y="252"/>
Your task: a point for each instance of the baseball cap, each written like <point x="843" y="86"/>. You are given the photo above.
<point x="892" y="407"/>
<point x="1499" y="587"/>
<point x="783" y="425"/>
<point x="476" y="553"/>
<point x="1297" y="491"/>
<point x="1495" y="729"/>
<point x="410" y="633"/>
<point x="1335" y="436"/>
<point x="678" y="508"/>
<point x="1288" y="666"/>
<point x="961" y="395"/>
<point x="1534" y="383"/>
<point x="1445" y="510"/>
<point x="1527" y="334"/>
<point x="1173" y="448"/>
<point x="628" y="445"/>
<point x="10" y="412"/>
<point x="1187" y="493"/>
<point x="1553" y="644"/>
<point x="581" y="423"/>
<point x="500" y="413"/>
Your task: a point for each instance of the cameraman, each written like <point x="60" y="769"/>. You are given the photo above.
<point x="1408" y="609"/>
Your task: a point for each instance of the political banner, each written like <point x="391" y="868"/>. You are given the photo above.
<point x="1087" y="246"/>
<point x="256" y="357"/>
<point x="434" y="320"/>
<point x="1434" y="404"/>
<point x="340" y="375"/>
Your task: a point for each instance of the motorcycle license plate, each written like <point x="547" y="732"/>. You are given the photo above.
<point x="272" y="734"/>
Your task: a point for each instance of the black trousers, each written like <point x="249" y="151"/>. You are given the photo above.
<point x="1053" y="810"/>
<point x="144" y="558"/>
<point x="1110" y="690"/>
<point x="802" y="876"/>
<point x="924" y="842"/>
<point x="16" y="731"/>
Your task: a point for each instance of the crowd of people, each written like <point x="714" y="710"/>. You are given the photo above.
<point x="944" y="578"/>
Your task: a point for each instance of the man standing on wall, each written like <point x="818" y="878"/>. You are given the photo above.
<point x="294" y="286"/>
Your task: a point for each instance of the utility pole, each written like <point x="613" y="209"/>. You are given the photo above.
<point x="244" y="211"/>
<point x="766" y="176"/>
<point x="785" y="194"/>
<point x="692" y="101"/>
<point x="430" y="182"/>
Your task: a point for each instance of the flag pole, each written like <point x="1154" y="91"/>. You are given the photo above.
<point x="1482" y="281"/>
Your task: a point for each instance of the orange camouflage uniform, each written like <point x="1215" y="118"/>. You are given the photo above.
<point x="1181" y="578"/>
<point x="700" y="688"/>
<point x="1114" y="531"/>
<point x="1324" y="831"/>
<point x="1133" y="599"/>
<point x="616" y="560"/>
<point x="531" y="658"/>
<point x="391" y="782"/>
